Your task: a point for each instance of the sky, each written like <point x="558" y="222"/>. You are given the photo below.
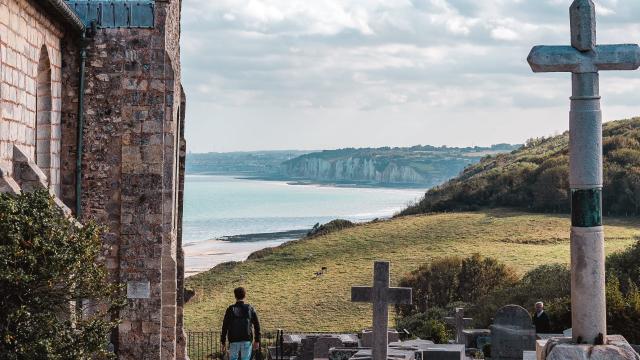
<point x="326" y="74"/>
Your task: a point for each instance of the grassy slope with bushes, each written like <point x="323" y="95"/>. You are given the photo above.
<point x="536" y="177"/>
<point x="282" y="285"/>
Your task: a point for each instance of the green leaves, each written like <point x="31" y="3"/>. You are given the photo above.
<point x="48" y="263"/>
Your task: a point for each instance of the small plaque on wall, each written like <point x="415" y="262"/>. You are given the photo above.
<point x="138" y="290"/>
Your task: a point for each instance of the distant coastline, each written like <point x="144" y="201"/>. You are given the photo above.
<point x="416" y="167"/>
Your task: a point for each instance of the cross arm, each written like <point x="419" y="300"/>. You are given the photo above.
<point x="361" y="294"/>
<point x="618" y="57"/>
<point x="400" y="296"/>
<point x="569" y="59"/>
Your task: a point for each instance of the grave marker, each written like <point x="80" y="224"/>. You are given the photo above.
<point x="460" y="322"/>
<point x="381" y="295"/>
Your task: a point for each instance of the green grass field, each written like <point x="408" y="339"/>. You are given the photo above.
<point x="283" y="289"/>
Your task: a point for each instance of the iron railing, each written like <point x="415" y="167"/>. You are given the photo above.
<point x="205" y="345"/>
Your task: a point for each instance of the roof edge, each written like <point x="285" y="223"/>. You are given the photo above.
<point x="67" y="14"/>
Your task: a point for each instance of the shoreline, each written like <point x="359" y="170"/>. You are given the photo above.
<point x="208" y="246"/>
<point x="201" y="256"/>
<point x="338" y="184"/>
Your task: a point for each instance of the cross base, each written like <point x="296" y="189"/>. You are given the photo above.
<point x="617" y="348"/>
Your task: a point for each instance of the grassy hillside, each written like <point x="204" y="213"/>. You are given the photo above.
<point x="284" y="290"/>
<point x="536" y="177"/>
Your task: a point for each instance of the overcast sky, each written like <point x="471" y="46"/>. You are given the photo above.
<point x="323" y="74"/>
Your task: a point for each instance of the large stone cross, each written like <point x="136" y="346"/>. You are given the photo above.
<point x="381" y="295"/>
<point x="584" y="59"/>
<point x="460" y="322"/>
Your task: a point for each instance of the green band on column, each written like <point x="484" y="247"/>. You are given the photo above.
<point x="586" y="207"/>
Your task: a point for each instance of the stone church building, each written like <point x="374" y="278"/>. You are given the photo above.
<point x="92" y="108"/>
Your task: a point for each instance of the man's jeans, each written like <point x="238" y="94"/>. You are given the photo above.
<point x="242" y="347"/>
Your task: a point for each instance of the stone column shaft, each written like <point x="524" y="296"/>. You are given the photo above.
<point x="380" y="311"/>
<point x="588" y="302"/>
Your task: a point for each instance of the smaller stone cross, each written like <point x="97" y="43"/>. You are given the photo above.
<point x="460" y="322"/>
<point x="381" y="295"/>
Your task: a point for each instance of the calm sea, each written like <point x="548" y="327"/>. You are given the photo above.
<point x="216" y="207"/>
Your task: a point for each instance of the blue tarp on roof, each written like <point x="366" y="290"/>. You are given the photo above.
<point x="115" y="13"/>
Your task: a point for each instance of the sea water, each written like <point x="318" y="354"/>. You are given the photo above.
<point x="216" y="207"/>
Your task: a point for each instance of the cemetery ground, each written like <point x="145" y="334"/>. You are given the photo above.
<point x="284" y="287"/>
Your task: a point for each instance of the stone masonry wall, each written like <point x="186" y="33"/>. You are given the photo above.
<point x="29" y="41"/>
<point x="131" y="172"/>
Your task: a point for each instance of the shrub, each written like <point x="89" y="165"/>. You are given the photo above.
<point x="480" y="275"/>
<point x="331" y="226"/>
<point x="427" y="326"/>
<point x="623" y="310"/>
<point x="624" y="265"/>
<point x="452" y="279"/>
<point x="46" y="263"/>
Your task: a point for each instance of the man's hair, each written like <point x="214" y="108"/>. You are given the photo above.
<point x="240" y="293"/>
<point x="540" y="303"/>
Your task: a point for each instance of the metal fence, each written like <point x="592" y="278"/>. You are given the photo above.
<point x="205" y="345"/>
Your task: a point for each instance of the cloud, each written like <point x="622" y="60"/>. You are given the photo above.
<point x="366" y="58"/>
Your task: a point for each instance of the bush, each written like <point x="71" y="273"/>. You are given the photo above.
<point x="427" y="326"/>
<point x="481" y="275"/>
<point x="623" y="310"/>
<point x="452" y="279"/>
<point x="625" y="266"/>
<point x="47" y="263"/>
<point x="331" y="226"/>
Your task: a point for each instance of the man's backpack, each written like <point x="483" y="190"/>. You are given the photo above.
<point x="241" y="321"/>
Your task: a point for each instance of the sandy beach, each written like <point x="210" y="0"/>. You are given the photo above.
<point x="203" y="255"/>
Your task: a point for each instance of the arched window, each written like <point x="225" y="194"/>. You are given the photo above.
<point x="43" y="113"/>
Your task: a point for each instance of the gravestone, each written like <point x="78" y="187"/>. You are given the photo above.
<point x="322" y="346"/>
<point x="442" y="352"/>
<point x="584" y="60"/>
<point x="340" y="353"/>
<point x="512" y="333"/>
<point x="366" y="337"/>
<point x="381" y="295"/>
<point x="392" y="354"/>
<point x="417" y="344"/>
<point x="460" y="322"/>
<point x="315" y="346"/>
<point x="471" y="337"/>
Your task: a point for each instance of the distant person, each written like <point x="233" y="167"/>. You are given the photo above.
<point x="237" y="328"/>
<point x="541" y="319"/>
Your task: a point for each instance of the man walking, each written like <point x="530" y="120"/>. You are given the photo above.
<point x="237" y="327"/>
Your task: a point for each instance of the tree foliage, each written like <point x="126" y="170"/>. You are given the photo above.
<point x="535" y="177"/>
<point x="47" y="264"/>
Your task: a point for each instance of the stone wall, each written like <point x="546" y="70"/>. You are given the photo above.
<point x="30" y="93"/>
<point x="131" y="172"/>
<point x="133" y="155"/>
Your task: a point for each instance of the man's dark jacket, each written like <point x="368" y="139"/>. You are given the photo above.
<point x="237" y="323"/>
<point x="543" y="326"/>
